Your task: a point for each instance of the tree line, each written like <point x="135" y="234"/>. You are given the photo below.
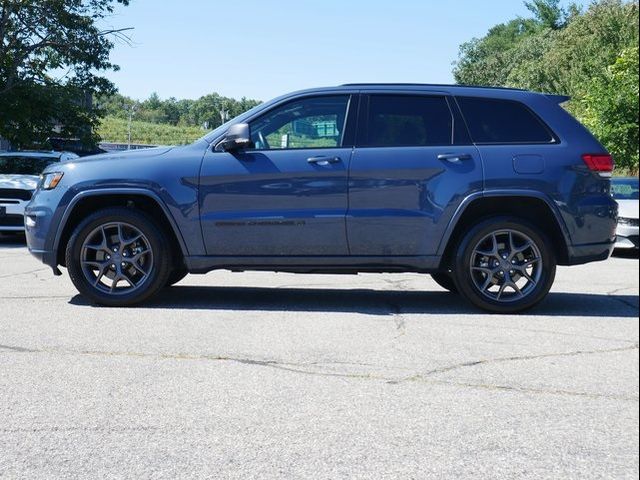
<point x="591" y="55"/>
<point x="207" y="112"/>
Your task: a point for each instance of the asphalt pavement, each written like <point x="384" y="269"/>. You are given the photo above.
<point x="264" y="375"/>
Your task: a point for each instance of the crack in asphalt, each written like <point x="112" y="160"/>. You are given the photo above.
<point x="55" y="428"/>
<point x="523" y="357"/>
<point x="30" y="272"/>
<point x="34" y="297"/>
<point x="18" y="349"/>
<point x="426" y="377"/>
<point x="537" y="330"/>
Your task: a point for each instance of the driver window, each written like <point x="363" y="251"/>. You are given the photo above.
<point x="316" y="122"/>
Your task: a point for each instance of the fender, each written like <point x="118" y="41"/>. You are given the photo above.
<point x="501" y="193"/>
<point x="118" y="191"/>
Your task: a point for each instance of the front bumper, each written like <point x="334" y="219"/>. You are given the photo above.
<point x="627" y="236"/>
<point x="42" y="217"/>
<point x="13" y="218"/>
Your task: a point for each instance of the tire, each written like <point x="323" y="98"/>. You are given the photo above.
<point x="504" y="265"/>
<point x="176" y="275"/>
<point x="445" y="280"/>
<point x="118" y="243"/>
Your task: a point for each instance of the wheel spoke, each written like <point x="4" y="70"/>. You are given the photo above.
<point x="121" y="241"/>
<point x="520" y="249"/>
<point x="529" y="278"/>
<point x="130" y="241"/>
<point x="512" y="245"/>
<point x="116" y="279"/>
<point x="488" y="271"/>
<point x="501" y="291"/>
<point x="136" y="258"/>
<point x="139" y="268"/>
<point x="516" y="288"/>
<point x="494" y="248"/>
<point x="529" y="263"/>
<point x="99" y="246"/>
<point x="487" y="283"/>
<point x="101" y="274"/>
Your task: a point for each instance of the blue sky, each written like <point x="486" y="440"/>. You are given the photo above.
<point x="260" y="49"/>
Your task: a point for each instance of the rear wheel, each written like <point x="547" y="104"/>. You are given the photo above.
<point x="504" y="265"/>
<point x="118" y="257"/>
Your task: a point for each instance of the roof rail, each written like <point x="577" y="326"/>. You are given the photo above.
<point x="427" y="85"/>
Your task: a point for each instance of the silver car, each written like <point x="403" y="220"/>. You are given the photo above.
<point x="625" y="192"/>
<point x="19" y="175"/>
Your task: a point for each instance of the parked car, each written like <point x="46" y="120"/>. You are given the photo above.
<point x="19" y="174"/>
<point x="486" y="189"/>
<point x="625" y="191"/>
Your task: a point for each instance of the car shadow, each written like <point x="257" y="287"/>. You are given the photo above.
<point x="631" y="253"/>
<point x="372" y="302"/>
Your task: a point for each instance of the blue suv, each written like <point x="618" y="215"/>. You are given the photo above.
<point x="485" y="189"/>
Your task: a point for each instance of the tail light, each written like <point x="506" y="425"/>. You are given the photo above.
<point x="599" y="162"/>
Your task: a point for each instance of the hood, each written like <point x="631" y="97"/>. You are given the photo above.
<point x="125" y="154"/>
<point x="628" y="208"/>
<point x="19" y="182"/>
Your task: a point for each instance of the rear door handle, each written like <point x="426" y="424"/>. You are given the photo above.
<point x="454" y="157"/>
<point x="322" y="161"/>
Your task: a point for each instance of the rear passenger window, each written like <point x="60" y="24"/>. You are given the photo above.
<point x="493" y="121"/>
<point x="404" y="120"/>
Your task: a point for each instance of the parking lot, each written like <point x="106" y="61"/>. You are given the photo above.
<point x="263" y="375"/>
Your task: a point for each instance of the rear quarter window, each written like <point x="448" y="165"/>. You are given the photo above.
<point x="494" y="121"/>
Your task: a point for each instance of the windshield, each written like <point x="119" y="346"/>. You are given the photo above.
<point x="624" y="188"/>
<point x="209" y="137"/>
<point x="24" y="165"/>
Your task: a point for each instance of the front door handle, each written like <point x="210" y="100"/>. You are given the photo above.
<point x="454" y="157"/>
<point x="322" y="161"/>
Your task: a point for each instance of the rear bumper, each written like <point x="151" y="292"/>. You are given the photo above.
<point x="594" y="252"/>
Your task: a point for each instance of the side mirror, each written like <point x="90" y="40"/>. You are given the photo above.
<point x="238" y="137"/>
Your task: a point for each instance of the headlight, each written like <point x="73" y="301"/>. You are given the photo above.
<point x="49" y="181"/>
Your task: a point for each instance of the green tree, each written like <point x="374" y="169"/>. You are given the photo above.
<point x="610" y="109"/>
<point x="51" y="56"/>
<point x="488" y="60"/>
<point x="586" y="55"/>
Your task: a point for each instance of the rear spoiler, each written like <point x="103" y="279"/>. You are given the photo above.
<point x="559" y="99"/>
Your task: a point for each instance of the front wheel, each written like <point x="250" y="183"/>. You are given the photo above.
<point x="504" y="265"/>
<point x="118" y="257"/>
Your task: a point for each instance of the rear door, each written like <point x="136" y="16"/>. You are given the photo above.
<point x="288" y="195"/>
<point x="413" y="165"/>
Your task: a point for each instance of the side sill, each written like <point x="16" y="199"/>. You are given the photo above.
<point x="334" y="265"/>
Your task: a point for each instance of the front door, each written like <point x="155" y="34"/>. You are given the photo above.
<point x="288" y="195"/>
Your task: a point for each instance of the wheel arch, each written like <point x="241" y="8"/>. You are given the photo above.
<point x="535" y="208"/>
<point x="91" y="200"/>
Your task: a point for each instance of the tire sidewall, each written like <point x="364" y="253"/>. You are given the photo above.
<point x="465" y="252"/>
<point x="158" y="243"/>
